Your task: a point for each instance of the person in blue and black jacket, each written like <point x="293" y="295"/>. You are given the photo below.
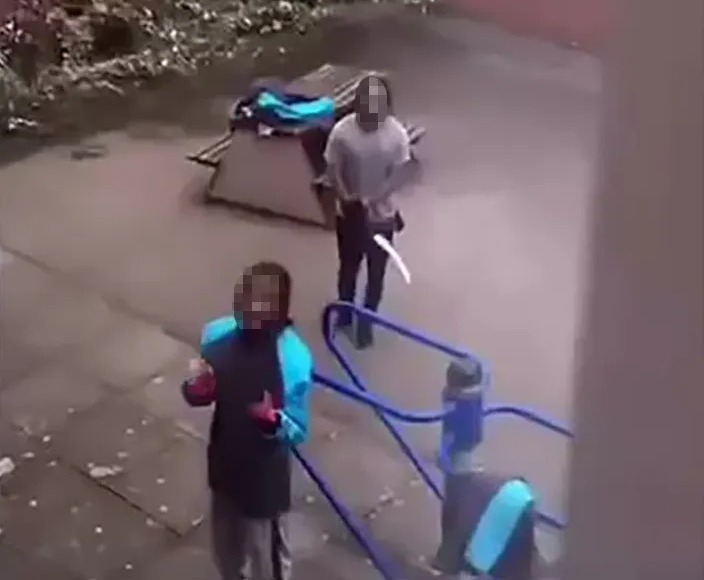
<point x="257" y="371"/>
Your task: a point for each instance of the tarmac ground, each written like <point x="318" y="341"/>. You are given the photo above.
<point x="110" y="267"/>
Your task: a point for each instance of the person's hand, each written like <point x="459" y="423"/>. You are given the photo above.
<point x="345" y="195"/>
<point x="197" y="367"/>
<point x="199" y="388"/>
<point x="264" y="410"/>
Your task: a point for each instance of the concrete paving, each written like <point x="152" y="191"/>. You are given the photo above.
<point x="109" y="268"/>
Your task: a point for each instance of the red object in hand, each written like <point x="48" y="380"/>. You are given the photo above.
<point x="199" y="391"/>
<point x="265" y="409"/>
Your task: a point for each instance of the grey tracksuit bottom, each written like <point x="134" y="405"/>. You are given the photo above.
<point x="255" y="549"/>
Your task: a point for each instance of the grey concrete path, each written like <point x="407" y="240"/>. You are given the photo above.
<point x="109" y="269"/>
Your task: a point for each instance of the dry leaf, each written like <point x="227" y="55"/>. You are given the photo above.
<point x="101" y="472"/>
<point x="7" y="466"/>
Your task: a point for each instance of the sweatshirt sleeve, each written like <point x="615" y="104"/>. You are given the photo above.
<point x="216" y="330"/>
<point x="295" y="415"/>
<point x="298" y="380"/>
<point x="199" y="391"/>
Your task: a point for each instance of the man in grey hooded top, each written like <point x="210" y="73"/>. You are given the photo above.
<point x="366" y="154"/>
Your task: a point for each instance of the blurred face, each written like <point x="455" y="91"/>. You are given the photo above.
<point x="257" y="301"/>
<point x="373" y="105"/>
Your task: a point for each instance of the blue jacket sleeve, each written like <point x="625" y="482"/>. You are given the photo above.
<point x="297" y="366"/>
<point x="216" y="330"/>
<point x="297" y="370"/>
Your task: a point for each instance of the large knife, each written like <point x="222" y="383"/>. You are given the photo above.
<point x="396" y="258"/>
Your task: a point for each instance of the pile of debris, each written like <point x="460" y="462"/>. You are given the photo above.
<point x="86" y="45"/>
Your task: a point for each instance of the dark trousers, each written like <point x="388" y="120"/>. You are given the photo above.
<point x="354" y="244"/>
<point x="245" y="548"/>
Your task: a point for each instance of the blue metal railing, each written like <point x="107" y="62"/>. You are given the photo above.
<point x="542" y="421"/>
<point x="328" y="329"/>
<point x="386" y="411"/>
<point x="530" y="416"/>
<point x="379" y="558"/>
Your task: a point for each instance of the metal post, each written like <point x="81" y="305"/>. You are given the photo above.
<point x="461" y="433"/>
<point x="462" y="425"/>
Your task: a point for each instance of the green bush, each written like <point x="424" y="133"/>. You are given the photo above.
<point x="47" y="51"/>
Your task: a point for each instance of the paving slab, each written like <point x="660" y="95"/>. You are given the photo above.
<point x="335" y="563"/>
<point x="25" y="453"/>
<point x="77" y="219"/>
<point x="46" y="312"/>
<point x="181" y="563"/>
<point x="54" y="513"/>
<point x="150" y="462"/>
<point x="43" y="316"/>
<point x="16" y="360"/>
<point x="25" y="287"/>
<point x="408" y="523"/>
<point x="70" y="316"/>
<point x="15" y="441"/>
<point x="206" y="250"/>
<point x="313" y="558"/>
<point x="161" y="396"/>
<point x="128" y="353"/>
<point x="204" y="254"/>
<point x="376" y="472"/>
<point x="44" y="400"/>
<point x="17" y="565"/>
<point x="116" y="432"/>
<point x="170" y="484"/>
<point x="313" y="527"/>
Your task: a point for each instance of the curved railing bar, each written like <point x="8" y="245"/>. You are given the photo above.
<point x="376" y="318"/>
<point x="361" y="394"/>
<point x="328" y="330"/>
<point x="412" y="417"/>
<point x="377" y="556"/>
<point x="379" y="404"/>
<point x="384" y="409"/>
<point x="530" y="416"/>
<point x="542" y="421"/>
<point x="552" y="521"/>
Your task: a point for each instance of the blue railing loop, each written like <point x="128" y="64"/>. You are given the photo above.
<point x="530" y="416"/>
<point x="359" y="392"/>
<point x="379" y="404"/>
<point x="385" y="565"/>
<point x="328" y="328"/>
<point x="541" y="420"/>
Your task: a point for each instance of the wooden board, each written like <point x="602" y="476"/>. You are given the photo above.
<point x="274" y="174"/>
<point x="268" y="174"/>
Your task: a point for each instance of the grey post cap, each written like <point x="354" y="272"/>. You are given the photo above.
<point x="463" y="373"/>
